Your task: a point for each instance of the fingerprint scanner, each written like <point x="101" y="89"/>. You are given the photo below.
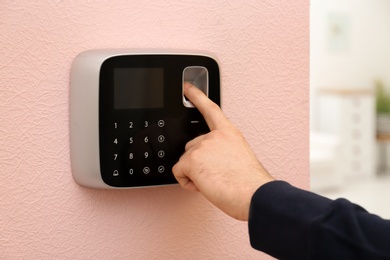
<point x="197" y="76"/>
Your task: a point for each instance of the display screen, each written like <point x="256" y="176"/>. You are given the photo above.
<point x="136" y="88"/>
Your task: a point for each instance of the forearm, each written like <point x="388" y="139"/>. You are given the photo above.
<point x="289" y="223"/>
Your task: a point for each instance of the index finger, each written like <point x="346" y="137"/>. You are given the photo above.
<point x="211" y="112"/>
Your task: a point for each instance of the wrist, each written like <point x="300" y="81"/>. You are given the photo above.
<point x="249" y="195"/>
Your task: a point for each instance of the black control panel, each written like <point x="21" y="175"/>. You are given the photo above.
<point x="143" y="123"/>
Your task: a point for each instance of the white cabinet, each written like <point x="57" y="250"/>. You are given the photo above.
<point x="350" y="115"/>
<point x="324" y="162"/>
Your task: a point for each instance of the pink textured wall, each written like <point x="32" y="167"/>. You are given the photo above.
<point x="263" y="48"/>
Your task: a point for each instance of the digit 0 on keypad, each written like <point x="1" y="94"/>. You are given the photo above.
<point x="129" y="120"/>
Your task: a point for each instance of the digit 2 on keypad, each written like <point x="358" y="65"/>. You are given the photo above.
<point x="129" y="106"/>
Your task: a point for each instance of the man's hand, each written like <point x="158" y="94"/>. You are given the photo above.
<point x="220" y="164"/>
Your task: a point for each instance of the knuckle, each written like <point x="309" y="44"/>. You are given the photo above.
<point x="196" y="153"/>
<point x="187" y="146"/>
<point x="234" y="131"/>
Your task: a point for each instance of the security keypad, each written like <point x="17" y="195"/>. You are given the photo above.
<point x="143" y="119"/>
<point x="138" y="148"/>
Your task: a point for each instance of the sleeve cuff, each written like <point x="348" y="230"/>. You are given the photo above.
<point x="280" y="217"/>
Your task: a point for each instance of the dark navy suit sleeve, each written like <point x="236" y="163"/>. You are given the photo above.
<point x="289" y="223"/>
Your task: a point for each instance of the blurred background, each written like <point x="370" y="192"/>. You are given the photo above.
<point x="350" y="101"/>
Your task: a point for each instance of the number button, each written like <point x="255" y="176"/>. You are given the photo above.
<point x="116" y="141"/>
<point x="131" y="156"/>
<point x="161" y="154"/>
<point x="131" y="124"/>
<point x="161" y="138"/>
<point x="146" y="139"/>
<point x="115" y="156"/>
<point x="115" y="125"/>
<point x="146" y="124"/>
<point x="131" y="171"/>
<point x="146" y="154"/>
<point x="131" y="140"/>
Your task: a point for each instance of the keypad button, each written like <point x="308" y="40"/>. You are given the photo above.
<point x="138" y="148"/>
<point x="161" y="169"/>
<point x="146" y="170"/>
<point x="161" y="154"/>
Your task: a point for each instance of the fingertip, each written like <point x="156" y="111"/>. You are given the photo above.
<point x="211" y="111"/>
<point x="187" y="85"/>
<point x="191" y="92"/>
